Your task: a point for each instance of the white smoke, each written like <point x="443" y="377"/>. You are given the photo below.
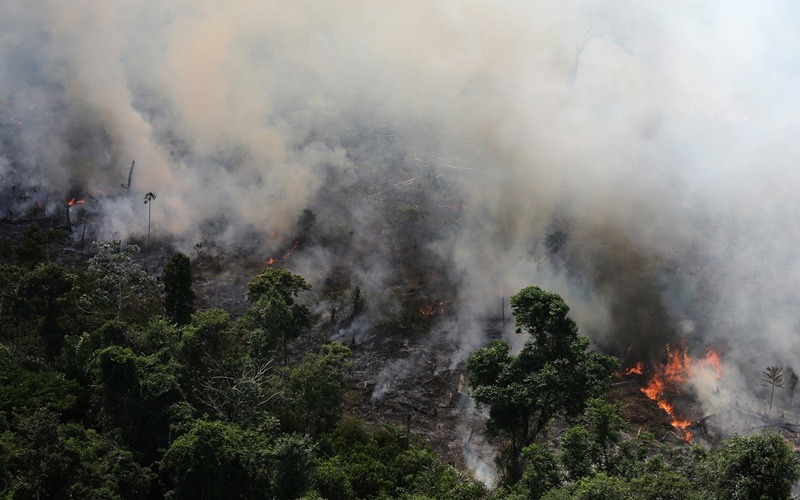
<point x="661" y="137"/>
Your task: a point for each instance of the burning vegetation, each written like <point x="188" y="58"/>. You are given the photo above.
<point x="434" y="308"/>
<point x="667" y="381"/>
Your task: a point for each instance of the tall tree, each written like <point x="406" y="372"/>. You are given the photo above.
<point x="305" y="224"/>
<point x="315" y="390"/>
<point x="553" y="374"/>
<point x="148" y="200"/>
<point x="178" y="294"/>
<point x="772" y="377"/>
<point x="275" y="313"/>
<point x="117" y="280"/>
<point x="43" y="293"/>
<point x="32" y="250"/>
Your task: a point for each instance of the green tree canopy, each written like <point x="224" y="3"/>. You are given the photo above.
<point x="315" y="390"/>
<point x="52" y="460"/>
<point x="275" y="315"/>
<point x="117" y="280"/>
<point x="32" y="250"/>
<point x="217" y="460"/>
<point x="43" y="292"/>
<point x="553" y="374"/>
<point x="759" y="466"/>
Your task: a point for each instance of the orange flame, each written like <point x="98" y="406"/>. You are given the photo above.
<point x="713" y="360"/>
<point x="675" y="372"/>
<point x="638" y="369"/>
<point x="271" y="261"/>
<point x="73" y="201"/>
<point x="431" y="309"/>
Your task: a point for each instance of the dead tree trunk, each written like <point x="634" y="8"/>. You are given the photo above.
<point x="130" y="177"/>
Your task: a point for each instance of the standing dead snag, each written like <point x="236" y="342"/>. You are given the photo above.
<point x="130" y="178"/>
<point x="148" y="200"/>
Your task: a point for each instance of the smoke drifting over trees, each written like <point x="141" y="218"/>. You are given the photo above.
<point x="656" y="141"/>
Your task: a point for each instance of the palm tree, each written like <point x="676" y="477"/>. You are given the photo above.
<point x="148" y="200"/>
<point x="772" y="376"/>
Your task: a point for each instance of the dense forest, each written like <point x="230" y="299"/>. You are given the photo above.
<point x="115" y="385"/>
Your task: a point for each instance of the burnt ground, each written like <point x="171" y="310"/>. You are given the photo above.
<point x="721" y="417"/>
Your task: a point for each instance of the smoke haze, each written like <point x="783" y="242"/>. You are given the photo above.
<point x="638" y="158"/>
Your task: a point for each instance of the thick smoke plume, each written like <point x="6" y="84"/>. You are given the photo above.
<point x="638" y="158"/>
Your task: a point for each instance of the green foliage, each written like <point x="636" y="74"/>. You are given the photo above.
<point x="159" y="334"/>
<point x="576" y="456"/>
<point x="277" y="432"/>
<point x="287" y="284"/>
<point x="331" y="481"/>
<point x="10" y="277"/>
<point x="292" y="458"/>
<point x="52" y="460"/>
<point x="275" y="315"/>
<point x="114" y="333"/>
<point x="666" y="485"/>
<point x="760" y="466"/>
<point x="43" y="294"/>
<point x="541" y="472"/>
<point x="117" y="282"/>
<point x="32" y="250"/>
<point x="216" y="460"/>
<point x="601" y="487"/>
<point x="78" y="357"/>
<point x="316" y="388"/>
<point x="24" y="390"/>
<point x="136" y="394"/>
<point x="605" y="423"/>
<point x="178" y="294"/>
<point x="553" y="374"/>
<point x="6" y="249"/>
<point x="379" y="464"/>
<point x="218" y="375"/>
<point x="208" y="340"/>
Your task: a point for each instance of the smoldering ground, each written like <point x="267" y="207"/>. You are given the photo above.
<point x="639" y="159"/>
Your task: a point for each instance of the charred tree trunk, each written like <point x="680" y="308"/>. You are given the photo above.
<point x="130" y="177"/>
<point x="408" y="430"/>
